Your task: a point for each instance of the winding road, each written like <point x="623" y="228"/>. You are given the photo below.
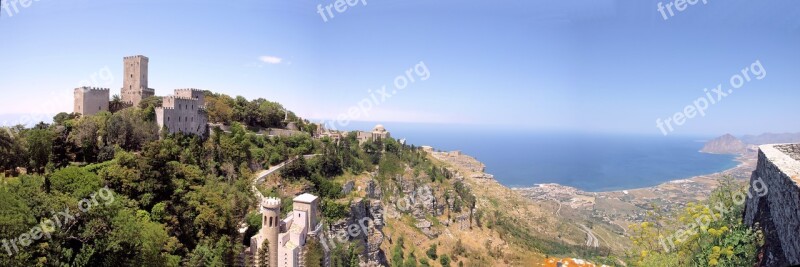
<point x="591" y="239"/>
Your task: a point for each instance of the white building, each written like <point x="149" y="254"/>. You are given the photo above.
<point x="290" y="233"/>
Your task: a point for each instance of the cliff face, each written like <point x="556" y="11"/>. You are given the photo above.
<point x="777" y="210"/>
<point x="726" y="144"/>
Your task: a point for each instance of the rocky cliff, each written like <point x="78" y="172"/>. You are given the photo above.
<point x="726" y="144"/>
<point x="777" y="209"/>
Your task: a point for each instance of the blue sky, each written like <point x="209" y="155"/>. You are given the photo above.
<point x="586" y="65"/>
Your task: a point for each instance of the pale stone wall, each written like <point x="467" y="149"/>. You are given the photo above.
<point x="778" y="211"/>
<point x="134" y="82"/>
<point x="192" y="93"/>
<point x="311" y="211"/>
<point x="183" y="114"/>
<point x="90" y="100"/>
<point x="283" y="132"/>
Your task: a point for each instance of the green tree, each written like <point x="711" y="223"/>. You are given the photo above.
<point x="85" y="136"/>
<point x="12" y="151"/>
<point x="411" y="261"/>
<point x="432" y="252"/>
<point x="75" y="181"/>
<point x="40" y="146"/>
<point x="296" y="169"/>
<point x="444" y="260"/>
<point x="63" y="117"/>
<point x="314" y="255"/>
<point x="263" y="254"/>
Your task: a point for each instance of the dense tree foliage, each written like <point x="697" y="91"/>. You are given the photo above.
<point x="177" y="200"/>
<point x="172" y="199"/>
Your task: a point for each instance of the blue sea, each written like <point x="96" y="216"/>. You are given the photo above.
<point x="589" y="161"/>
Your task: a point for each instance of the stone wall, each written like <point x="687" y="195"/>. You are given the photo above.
<point x="777" y="212"/>
<point x="283" y="132"/>
<point x="192" y="93"/>
<point x="179" y="114"/>
<point x="792" y="150"/>
<point x="91" y="100"/>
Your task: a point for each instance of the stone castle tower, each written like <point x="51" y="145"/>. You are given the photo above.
<point x="271" y="227"/>
<point x="183" y="112"/>
<point x="287" y="236"/>
<point x="91" y="100"/>
<point x="134" y="82"/>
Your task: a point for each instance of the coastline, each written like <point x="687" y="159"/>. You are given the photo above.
<point x="746" y="164"/>
<point x="610" y="212"/>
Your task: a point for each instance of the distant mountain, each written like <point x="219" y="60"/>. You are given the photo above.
<point x="726" y="144"/>
<point x="771" y="138"/>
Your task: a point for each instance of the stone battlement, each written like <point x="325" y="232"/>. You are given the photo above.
<point x="181" y="97"/>
<point x="136" y="56"/>
<point x="271" y="202"/>
<point x="778" y="211"/>
<point x="87" y="88"/>
<point x="188" y="89"/>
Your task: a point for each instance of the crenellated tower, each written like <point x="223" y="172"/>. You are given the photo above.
<point x="270" y="227"/>
<point x="91" y="100"/>
<point x="134" y="81"/>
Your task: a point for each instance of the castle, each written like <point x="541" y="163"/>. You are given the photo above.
<point x="286" y="238"/>
<point x="182" y="112"/>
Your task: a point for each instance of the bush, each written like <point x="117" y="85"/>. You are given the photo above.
<point x="725" y="241"/>
<point x="445" y="260"/>
<point x="432" y="252"/>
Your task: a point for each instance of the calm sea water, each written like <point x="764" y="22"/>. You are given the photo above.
<point x="590" y="162"/>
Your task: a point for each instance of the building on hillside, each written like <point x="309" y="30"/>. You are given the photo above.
<point x="91" y="100"/>
<point x="183" y="112"/>
<point x="134" y="80"/>
<point x="378" y="133"/>
<point x="286" y="238"/>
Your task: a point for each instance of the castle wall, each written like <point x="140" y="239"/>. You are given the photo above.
<point x="90" y="100"/>
<point x="778" y="211"/>
<point x="192" y="93"/>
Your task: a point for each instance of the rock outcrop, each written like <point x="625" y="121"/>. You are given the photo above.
<point x="726" y="144"/>
<point x="777" y="210"/>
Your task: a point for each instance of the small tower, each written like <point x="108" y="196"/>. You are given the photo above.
<point x="271" y="226"/>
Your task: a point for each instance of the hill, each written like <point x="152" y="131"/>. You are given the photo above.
<point x="726" y="144"/>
